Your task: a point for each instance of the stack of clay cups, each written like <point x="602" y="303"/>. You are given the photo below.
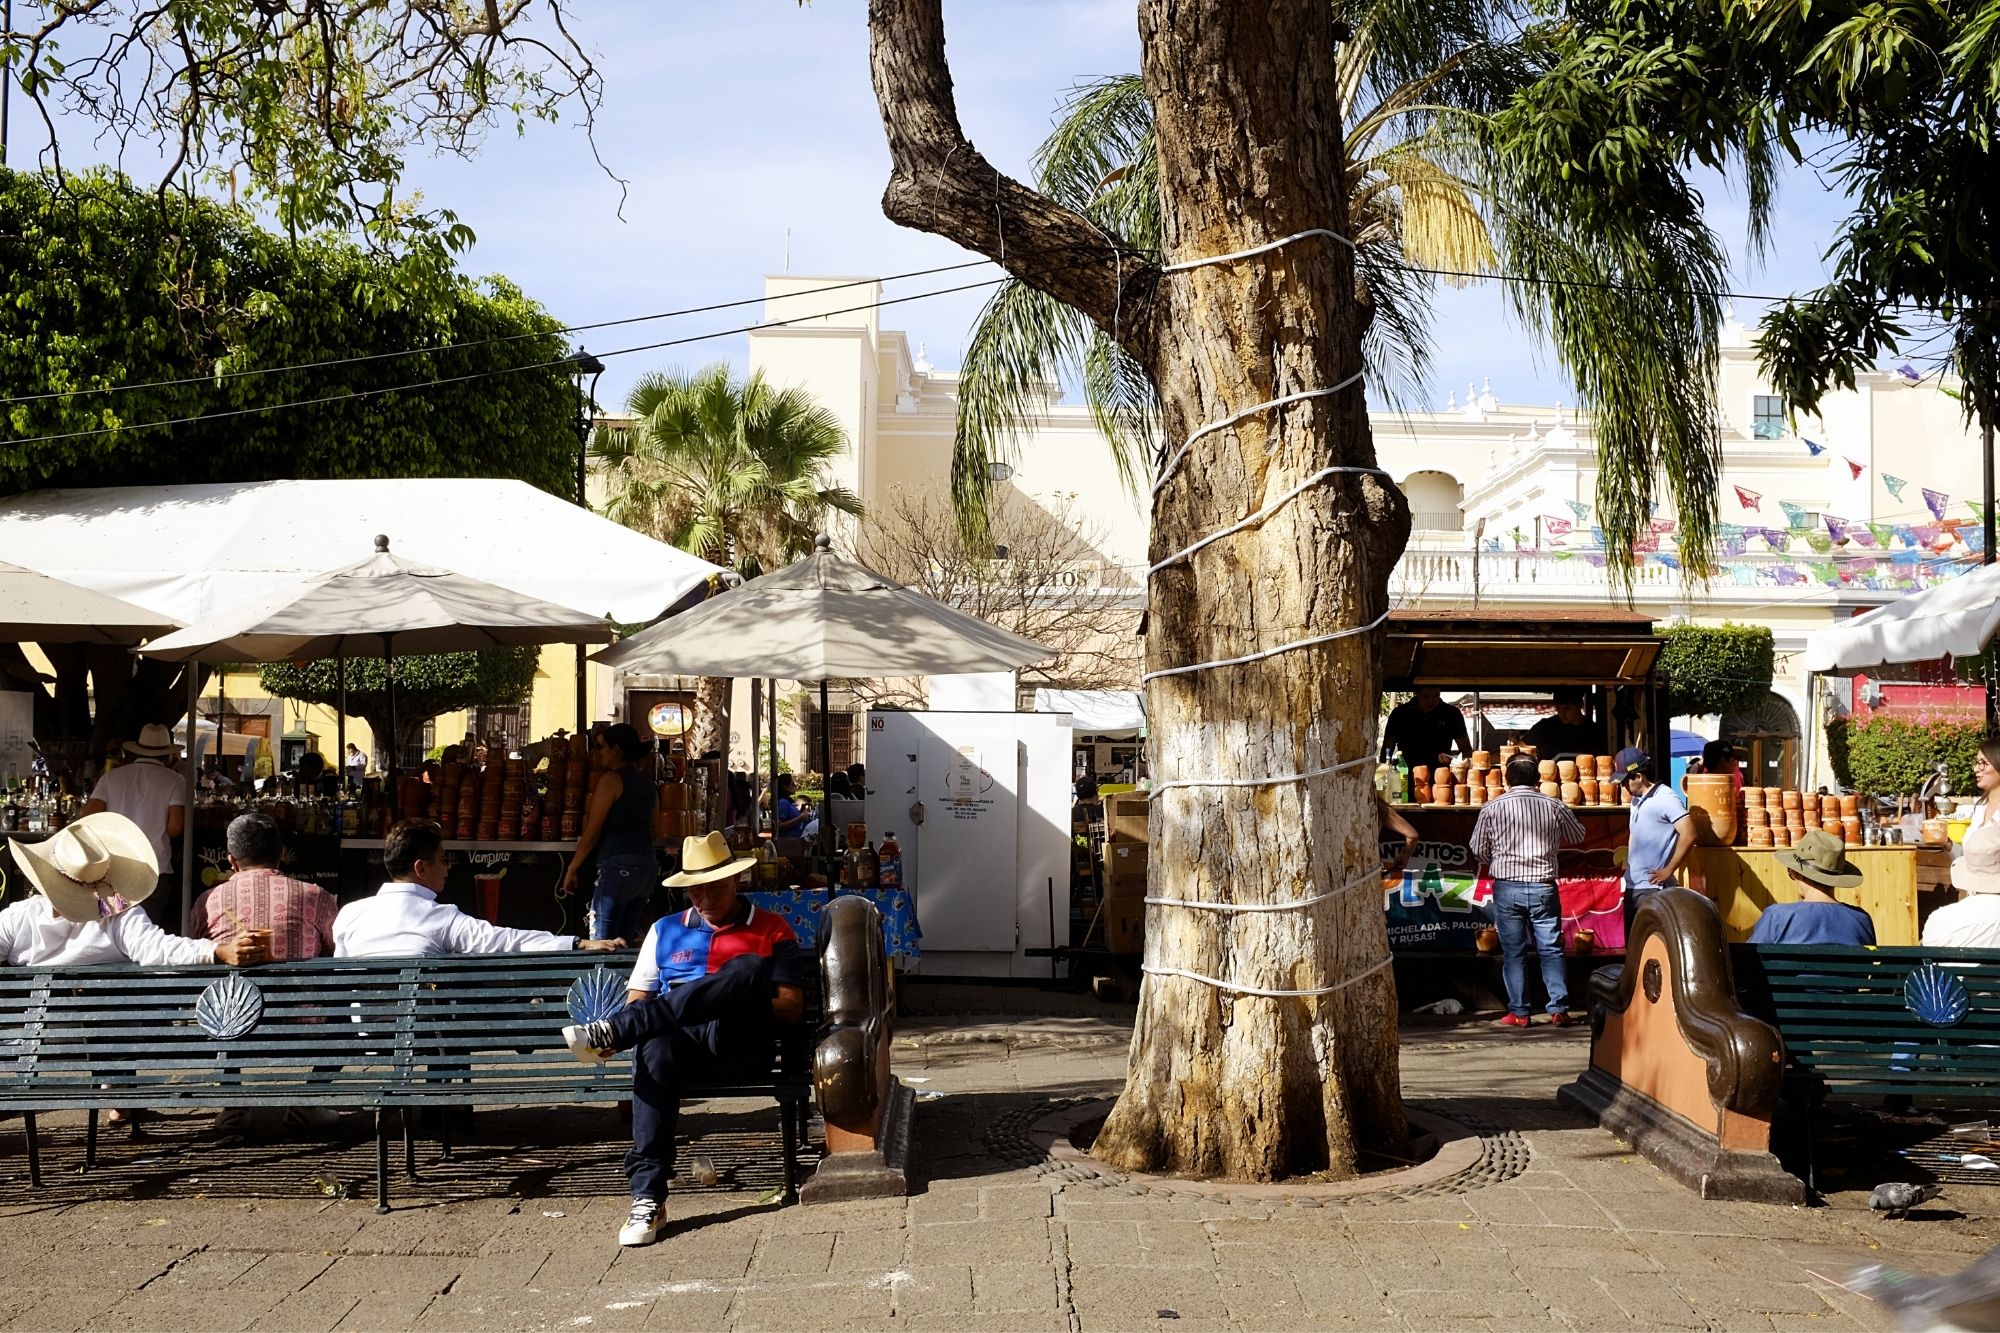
<point x="1571" y="792"/>
<point x="1793" y="806"/>
<point x="1496" y="781"/>
<point x="1551" y="786"/>
<point x="1420" y="784"/>
<point x="1461" y="792"/>
<point x="1756" y="819"/>
<point x="1476" y="776"/>
<point x="1850" y="819"/>
<point x="1442" y="783"/>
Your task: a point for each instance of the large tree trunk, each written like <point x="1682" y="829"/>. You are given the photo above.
<point x="710" y="730"/>
<point x="1224" y="1082"/>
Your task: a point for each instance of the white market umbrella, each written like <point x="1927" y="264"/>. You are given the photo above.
<point x="35" y="608"/>
<point x="380" y="606"/>
<point x="821" y="618"/>
<point x="1955" y="619"/>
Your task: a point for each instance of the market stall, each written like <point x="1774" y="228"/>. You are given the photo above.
<point x="1441" y="903"/>
<point x="1904" y="860"/>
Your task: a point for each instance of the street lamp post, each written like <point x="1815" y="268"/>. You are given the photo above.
<point x="588" y="367"/>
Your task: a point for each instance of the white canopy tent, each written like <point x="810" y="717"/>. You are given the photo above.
<point x="1117" y="713"/>
<point x="1955" y="619"/>
<point x="191" y="552"/>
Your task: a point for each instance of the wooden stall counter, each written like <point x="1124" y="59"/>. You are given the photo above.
<point x="1899" y="887"/>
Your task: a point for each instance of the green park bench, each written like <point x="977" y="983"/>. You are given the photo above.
<point x="1890" y="1022"/>
<point x="383" y="1035"/>
<point x="1695" y="1042"/>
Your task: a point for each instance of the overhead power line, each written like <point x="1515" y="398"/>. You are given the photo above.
<point x="363" y="358"/>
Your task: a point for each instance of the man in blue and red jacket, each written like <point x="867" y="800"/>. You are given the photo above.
<point x="710" y="988"/>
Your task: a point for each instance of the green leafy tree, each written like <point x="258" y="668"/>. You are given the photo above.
<point x="1895" y="105"/>
<point x="425" y="687"/>
<point x="1715" y="668"/>
<point x="730" y="469"/>
<point x="1432" y="197"/>
<point x="121" y="310"/>
<point x="1892" y="754"/>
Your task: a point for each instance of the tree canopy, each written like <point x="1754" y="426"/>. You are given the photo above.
<point x="104" y="286"/>
<point x="1895" y="105"/>
<point x="425" y="686"/>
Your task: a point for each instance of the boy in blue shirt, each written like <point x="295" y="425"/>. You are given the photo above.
<point x="1817" y="865"/>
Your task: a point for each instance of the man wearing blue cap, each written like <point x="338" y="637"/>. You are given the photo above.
<point x="1662" y="833"/>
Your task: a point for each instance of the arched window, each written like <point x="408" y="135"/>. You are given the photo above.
<point x="1434" y="502"/>
<point x="1767" y="736"/>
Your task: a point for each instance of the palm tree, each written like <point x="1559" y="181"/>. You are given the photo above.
<point x="1438" y="191"/>
<point x="732" y="470"/>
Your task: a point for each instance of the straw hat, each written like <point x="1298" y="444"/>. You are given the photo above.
<point x="155" y="742"/>
<point x="94" y="868"/>
<point x="1978" y="870"/>
<point x="1821" y="858"/>
<point x="707" y="859"/>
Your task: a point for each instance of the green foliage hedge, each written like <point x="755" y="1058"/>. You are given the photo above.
<point x="1890" y="755"/>
<point x="103" y="285"/>
<point x="1715" y="668"/>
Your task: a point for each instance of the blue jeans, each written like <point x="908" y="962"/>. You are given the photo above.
<point x="1525" y="913"/>
<point x="623" y="897"/>
<point x="719" y="1024"/>
<point x="1635" y="896"/>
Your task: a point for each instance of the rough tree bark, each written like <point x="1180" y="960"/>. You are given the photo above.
<point x="710" y="728"/>
<point x="1226" y="1084"/>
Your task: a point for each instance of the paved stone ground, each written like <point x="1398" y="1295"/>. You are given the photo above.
<point x="518" y="1234"/>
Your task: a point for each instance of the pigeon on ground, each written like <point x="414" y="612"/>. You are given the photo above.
<point x="1969" y="1298"/>
<point x="1895" y="1199"/>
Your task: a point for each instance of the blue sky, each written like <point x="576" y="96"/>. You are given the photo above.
<point x="736" y="123"/>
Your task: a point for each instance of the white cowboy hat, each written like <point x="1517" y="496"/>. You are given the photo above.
<point x="1978" y="870"/>
<point x="155" y="742"/>
<point x="94" y="868"/>
<point x="704" y="860"/>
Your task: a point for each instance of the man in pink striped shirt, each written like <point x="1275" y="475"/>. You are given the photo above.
<point x="299" y="916"/>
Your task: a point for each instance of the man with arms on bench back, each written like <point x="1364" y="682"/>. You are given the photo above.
<point x="710" y="988"/>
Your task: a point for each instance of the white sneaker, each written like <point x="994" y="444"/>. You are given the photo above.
<point x="644" y="1224"/>
<point x="588" y="1042"/>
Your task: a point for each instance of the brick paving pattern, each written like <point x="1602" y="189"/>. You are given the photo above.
<point x="518" y="1233"/>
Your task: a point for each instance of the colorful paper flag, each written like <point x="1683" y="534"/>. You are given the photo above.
<point x="1582" y="510"/>
<point x="1938" y="501"/>
<point x="1836" y="528"/>
<point x="1895" y="485"/>
<point x="1816" y="447"/>
<point x="1556" y="527"/>
<point x="1669" y="561"/>
<point x="1882" y="533"/>
<point x="1662" y="526"/>
<point x="1819" y="542"/>
<point x="1747" y="497"/>
<point x="1856" y="468"/>
<point x="1795" y="515"/>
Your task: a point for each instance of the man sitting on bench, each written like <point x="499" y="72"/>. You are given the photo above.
<point x="405" y="920"/>
<point x="711" y="986"/>
<point x="89" y="876"/>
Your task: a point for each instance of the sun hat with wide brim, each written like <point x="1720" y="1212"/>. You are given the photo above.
<point x="1977" y="869"/>
<point x="155" y="742"/>
<point x="707" y="859"/>
<point x="1821" y="858"/>
<point x="94" y="868"/>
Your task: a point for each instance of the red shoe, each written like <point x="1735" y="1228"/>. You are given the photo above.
<point x="1513" y="1021"/>
<point x="1563" y="1020"/>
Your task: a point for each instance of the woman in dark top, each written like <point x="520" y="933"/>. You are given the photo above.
<point x="618" y="826"/>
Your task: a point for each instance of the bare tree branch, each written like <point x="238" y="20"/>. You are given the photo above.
<point x="942" y="184"/>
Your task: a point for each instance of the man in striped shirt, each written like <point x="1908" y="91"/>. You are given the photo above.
<point x="299" y="916"/>
<point x="1517" y="837"/>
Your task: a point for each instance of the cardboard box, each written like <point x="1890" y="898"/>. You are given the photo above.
<point x="1124" y="890"/>
<point x="1125" y="861"/>
<point x="1125" y="816"/>
<point x="1124" y="926"/>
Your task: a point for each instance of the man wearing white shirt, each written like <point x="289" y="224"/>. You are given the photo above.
<point x="405" y="920"/>
<point x="154" y="797"/>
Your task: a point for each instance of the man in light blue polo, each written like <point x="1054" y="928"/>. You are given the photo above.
<point x="1662" y="832"/>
